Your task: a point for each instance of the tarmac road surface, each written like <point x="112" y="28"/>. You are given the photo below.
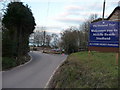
<point x="35" y="74"/>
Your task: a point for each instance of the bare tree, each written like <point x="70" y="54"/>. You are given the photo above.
<point x="43" y="35"/>
<point x="37" y="38"/>
<point x="85" y="28"/>
<point x="93" y="17"/>
<point x="55" y="39"/>
<point x="42" y="38"/>
<point x="48" y="39"/>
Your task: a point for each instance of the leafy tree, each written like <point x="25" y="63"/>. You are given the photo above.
<point x="19" y="22"/>
<point x="70" y="40"/>
<point x="74" y="39"/>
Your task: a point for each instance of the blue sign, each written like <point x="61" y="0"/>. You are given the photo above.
<point x="104" y="34"/>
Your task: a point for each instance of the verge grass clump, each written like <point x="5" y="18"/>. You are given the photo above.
<point x="80" y="70"/>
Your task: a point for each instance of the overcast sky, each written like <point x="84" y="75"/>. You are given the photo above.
<point x="57" y="15"/>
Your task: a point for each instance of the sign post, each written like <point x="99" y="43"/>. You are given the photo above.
<point x="117" y="56"/>
<point x="89" y="56"/>
<point x="104" y="37"/>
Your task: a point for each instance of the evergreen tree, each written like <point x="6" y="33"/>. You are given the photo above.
<point x="19" y="23"/>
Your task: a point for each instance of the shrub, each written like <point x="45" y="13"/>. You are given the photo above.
<point x="8" y="63"/>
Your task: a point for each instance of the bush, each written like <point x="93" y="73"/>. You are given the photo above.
<point x="8" y="63"/>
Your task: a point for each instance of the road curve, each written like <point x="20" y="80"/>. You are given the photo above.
<point x="34" y="74"/>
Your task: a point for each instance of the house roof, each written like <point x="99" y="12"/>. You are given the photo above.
<point x="117" y="8"/>
<point x="100" y="19"/>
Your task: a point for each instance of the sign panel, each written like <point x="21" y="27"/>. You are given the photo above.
<point x="104" y="34"/>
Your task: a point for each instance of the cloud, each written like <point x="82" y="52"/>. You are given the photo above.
<point x="99" y="13"/>
<point x="93" y="7"/>
<point x="81" y="10"/>
<point x="74" y="8"/>
<point x="54" y="27"/>
<point x="72" y="12"/>
<point x="1" y="0"/>
<point x="46" y="1"/>
<point x="70" y="20"/>
<point x="96" y="6"/>
<point x="75" y="14"/>
<point x="65" y="14"/>
<point x="50" y="28"/>
<point x="88" y="1"/>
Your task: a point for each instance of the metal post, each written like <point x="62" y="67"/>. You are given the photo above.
<point x="117" y="56"/>
<point x="89" y="55"/>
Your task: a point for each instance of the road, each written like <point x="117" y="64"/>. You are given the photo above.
<point x="35" y="74"/>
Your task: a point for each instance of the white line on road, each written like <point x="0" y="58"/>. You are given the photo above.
<point x="46" y="86"/>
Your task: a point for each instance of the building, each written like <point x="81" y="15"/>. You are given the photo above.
<point x="115" y="15"/>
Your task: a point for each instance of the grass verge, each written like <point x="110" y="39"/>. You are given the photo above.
<point x="81" y="71"/>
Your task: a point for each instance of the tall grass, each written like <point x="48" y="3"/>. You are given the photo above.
<point x="80" y="70"/>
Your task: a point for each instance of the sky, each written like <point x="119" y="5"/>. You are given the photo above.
<point x="57" y="15"/>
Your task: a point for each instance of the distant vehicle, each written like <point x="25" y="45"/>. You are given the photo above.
<point x="56" y="51"/>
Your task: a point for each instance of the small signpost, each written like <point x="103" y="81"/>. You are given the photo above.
<point x="104" y="36"/>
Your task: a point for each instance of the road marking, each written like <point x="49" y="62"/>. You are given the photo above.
<point x="21" y="64"/>
<point x="46" y="86"/>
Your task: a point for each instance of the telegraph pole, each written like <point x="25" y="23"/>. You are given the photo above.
<point x="103" y="9"/>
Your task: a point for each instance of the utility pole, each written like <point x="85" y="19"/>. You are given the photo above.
<point x="103" y="9"/>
